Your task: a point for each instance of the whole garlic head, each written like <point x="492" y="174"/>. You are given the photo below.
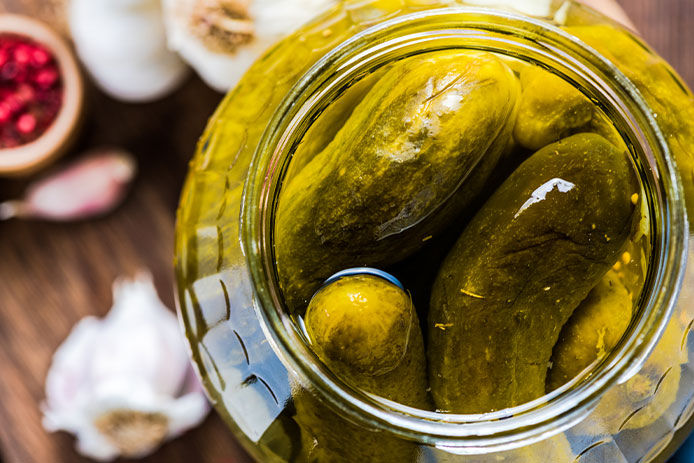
<point x="220" y="39"/>
<point x="122" y="43"/>
<point x="123" y="384"/>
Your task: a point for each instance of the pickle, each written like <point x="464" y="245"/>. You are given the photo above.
<point x="671" y="102"/>
<point x="593" y="330"/>
<point x="366" y="331"/>
<point x="396" y="172"/>
<point x="550" y="109"/>
<point x="518" y="271"/>
<point x="331" y="120"/>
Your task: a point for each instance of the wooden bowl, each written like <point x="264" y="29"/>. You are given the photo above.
<point x="55" y="141"/>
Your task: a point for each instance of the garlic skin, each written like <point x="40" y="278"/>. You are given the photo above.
<point x="123" y="45"/>
<point x="238" y="33"/>
<point x="124" y="384"/>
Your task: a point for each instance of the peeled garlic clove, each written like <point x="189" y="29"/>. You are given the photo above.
<point x="122" y="43"/>
<point x="123" y="384"/>
<point x="220" y="39"/>
<point x="91" y="186"/>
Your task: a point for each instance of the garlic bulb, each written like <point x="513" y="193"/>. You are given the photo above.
<point x="123" y="45"/>
<point x="123" y="384"/>
<point x="220" y="39"/>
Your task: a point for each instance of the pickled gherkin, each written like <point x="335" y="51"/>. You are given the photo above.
<point x="550" y="108"/>
<point x="366" y="330"/>
<point x="324" y="129"/>
<point x="593" y="330"/>
<point x="411" y="156"/>
<point x="520" y="268"/>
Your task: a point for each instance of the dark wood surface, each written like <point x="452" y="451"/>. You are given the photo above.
<point x="51" y="275"/>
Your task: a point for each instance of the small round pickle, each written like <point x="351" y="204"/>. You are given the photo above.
<point x="550" y="109"/>
<point x="413" y="154"/>
<point x="528" y="258"/>
<point x="366" y="330"/>
<point x="593" y="330"/>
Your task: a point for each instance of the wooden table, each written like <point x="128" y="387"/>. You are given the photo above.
<point x="51" y="275"/>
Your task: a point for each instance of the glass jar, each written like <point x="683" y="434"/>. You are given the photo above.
<point x="272" y="391"/>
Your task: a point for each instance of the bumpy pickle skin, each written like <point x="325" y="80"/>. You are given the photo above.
<point x="333" y="118"/>
<point x="593" y="330"/>
<point x="376" y="193"/>
<point x="518" y="271"/>
<point x="670" y="100"/>
<point x="366" y="331"/>
<point x="550" y="109"/>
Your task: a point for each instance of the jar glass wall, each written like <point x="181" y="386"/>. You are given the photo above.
<point x="268" y="385"/>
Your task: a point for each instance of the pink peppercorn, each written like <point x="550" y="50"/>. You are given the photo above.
<point x="40" y="57"/>
<point x="26" y="123"/>
<point x="22" y="54"/>
<point x="46" y="77"/>
<point x="5" y="113"/>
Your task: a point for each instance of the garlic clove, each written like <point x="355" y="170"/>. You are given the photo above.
<point x="123" y="384"/>
<point x="90" y="187"/>
<point x="220" y="39"/>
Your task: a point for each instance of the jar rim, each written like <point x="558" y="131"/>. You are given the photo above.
<point x="507" y="428"/>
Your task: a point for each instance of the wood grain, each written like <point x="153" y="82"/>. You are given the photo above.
<point x="51" y="275"/>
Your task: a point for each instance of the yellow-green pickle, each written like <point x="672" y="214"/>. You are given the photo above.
<point x="509" y="196"/>
<point x="392" y="175"/>
<point x="550" y="109"/>
<point x="520" y="269"/>
<point x="593" y="330"/>
<point x="367" y="331"/>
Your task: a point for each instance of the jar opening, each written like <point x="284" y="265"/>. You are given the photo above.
<point x="520" y="38"/>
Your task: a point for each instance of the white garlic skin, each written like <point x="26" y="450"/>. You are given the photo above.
<point x="135" y="360"/>
<point x="122" y="43"/>
<point x="272" y="21"/>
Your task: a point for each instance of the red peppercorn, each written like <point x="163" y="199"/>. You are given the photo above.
<point x="22" y="54"/>
<point x="26" y="123"/>
<point x="14" y="103"/>
<point x="40" y="57"/>
<point x="5" y="113"/>
<point x="9" y="71"/>
<point x="25" y="93"/>
<point x="46" y="77"/>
